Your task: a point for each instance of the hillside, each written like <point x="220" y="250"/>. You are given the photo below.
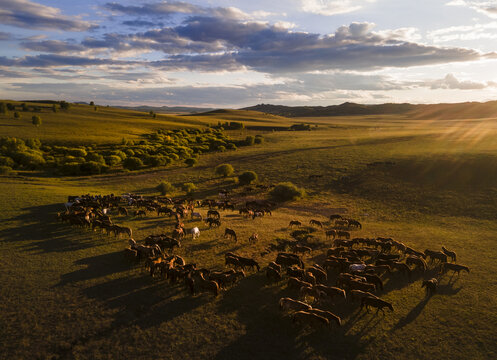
<point x="429" y="111"/>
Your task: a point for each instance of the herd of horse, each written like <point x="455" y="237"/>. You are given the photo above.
<point x="351" y="270"/>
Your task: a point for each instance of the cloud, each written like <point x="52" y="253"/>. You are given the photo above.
<point x="4" y="36"/>
<point x="50" y="60"/>
<point x="30" y="15"/>
<point x="142" y="23"/>
<point x="52" y="46"/>
<point x="485" y="7"/>
<point x="451" y="82"/>
<point x="332" y="7"/>
<point x="468" y="32"/>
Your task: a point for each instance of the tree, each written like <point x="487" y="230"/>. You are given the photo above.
<point x="24" y="107"/>
<point x="190" y="161"/>
<point x="286" y="191"/>
<point x="11" y="107"/>
<point x="132" y="163"/>
<point x="165" y="188"/>
<point x="17" y="115"/>
<point x="64" y="105"/>
<point x="249" y="140"/>
<point x="247" y="177"/>
<point x="36" y="120"/>
<point x="189" y="188"/>
<point x="3" y="108"/>
<point x="224" y="170"/>
<point x="92" y="103"/>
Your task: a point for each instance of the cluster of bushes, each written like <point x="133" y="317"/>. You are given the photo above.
<point x="286" y="191"/>
<point x="232" y="125"/>
<point x="157" y="149"/>
<point x="300" y="127"/>
<point x="52" y="106"/>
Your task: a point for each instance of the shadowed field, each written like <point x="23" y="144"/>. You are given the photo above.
<point x="70" y="293"/>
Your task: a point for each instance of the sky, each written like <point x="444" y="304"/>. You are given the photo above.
<point x="220" y="53"/>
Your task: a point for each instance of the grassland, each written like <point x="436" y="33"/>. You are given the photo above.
<point x="70" y="294"/>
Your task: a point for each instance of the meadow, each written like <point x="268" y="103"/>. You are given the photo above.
<point x="69" y="293"/>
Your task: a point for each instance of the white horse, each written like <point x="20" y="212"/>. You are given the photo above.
<point x="195" y="232"/>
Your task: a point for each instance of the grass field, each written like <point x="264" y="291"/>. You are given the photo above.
<point x="68" y="293"/>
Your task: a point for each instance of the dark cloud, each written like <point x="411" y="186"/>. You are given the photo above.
<point x="155" y="9"/>
<point x="4" y="36"/>
<point x="51" y="60"/>
<point x="52" y="46"/>
<point x="141" y="23"/>
<point x="30" y="15"/>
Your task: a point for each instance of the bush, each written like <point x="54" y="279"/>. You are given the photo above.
<point x="70" y="168"/>
<point x="17" y="115"/>
<point x="3" y="108"/>
<point x="132" y="163"/>
<point x="113" y="160"/>
<point x="36" y="120"/>
<point x="249" y="140"/>
<point x="77" y="152"/>
<point x="230" y="146"/>
<point x="259" y="139"/>
<point x="30" y="159"/>
<point x="5" y="170"/>
<point x="33" y="143"/>
<point x="165" y="188"/>
<point x="247" y="177"/>
<point x="6" y="161"/>
<point x="224" y="170"/>
<point x="191" y="161"/>
<point x="286" y="191"/>
<point x="188" y="187"/>
<point x="90" y="167"/>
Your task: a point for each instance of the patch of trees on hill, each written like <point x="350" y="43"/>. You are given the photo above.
<point x="160" y="148"/>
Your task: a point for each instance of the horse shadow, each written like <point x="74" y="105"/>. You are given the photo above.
<point x="281" y="338"/>
<point x="41" y="232"/>
<point x="96" y="267"/>
<point x="412" y="315"/>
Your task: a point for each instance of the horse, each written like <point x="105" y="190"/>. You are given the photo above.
<point x="195" y="214"/>
<point x="213" y="222"/>
<point x="416" y="261"/>
<point x="335" y="217"/>
<point x="445" y="266"/>
<point x="302" y="249"/>
<point x="253" y="238"/>
<point x="291" y="304"/>
<point x="359" y="294"/>
<point x="331" y="233"/>
<point x="328" y="315"/>
<point x="375" y="302"/>
<point x="273" y="273"/>
<point x="431" y="286"/>
<point x="248" y="262"/>
<point x="343" y="234"/>
<point x="316" y="222"/>
<point x="213" y="213"/>
<point x="319" y="274"/>
<point x="122" y="211"/>
<point x="355" y="223"/>
<point x="436" y="255"/>
<point x="449" y="253"/>
<point x="310" y="318"/>
<point x="178" y="233"/>
<point x="230" y="232"/>
<point x="342" y="223"/>
<point x="195" y="232"/>
<point x="295" y="222"/>
<point x="331" y="291"/>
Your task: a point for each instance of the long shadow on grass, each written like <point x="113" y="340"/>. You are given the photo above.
<point x="40" y="231"/>
<point x="96" y="266"/>
<point x="271" y="334"/>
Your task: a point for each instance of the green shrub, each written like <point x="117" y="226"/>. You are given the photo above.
<point x="36" y="120"/>
<point x="249" y="140"/>
<point x="77" y="152"/>
<point x="132" y="163"/>
<point x="224" y="170"/>
<point x="5" y="170"/>
<point x="230" y="146"/>
<point x="113" y="160"/>
<point x="93" y="156"/>
<point x="258" y="139"/>
<point x="129" y="152"/>
<point x="30" y="159"/>
<point x="6" y="161"/>
<point x="3" y="108"/>
<point x="191" y="161"/>
<point x="286" y="191"/>
<point x="189" y="188"/>
<point x="17" y="115"/>
<point x="90" y="168"/>
<point x="247" y="177"/>
<point x="165" y="188"/>
<point x="221" y="149"/>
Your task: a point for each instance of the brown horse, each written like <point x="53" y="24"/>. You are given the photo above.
<point x="375" y="302"/>
<point x="310" y="318"/>
<point x="295" y="222"/>
<point x="316" y="222"/>
<point x="230" y="233"/>
<point x="449" y="253"/>
<point x="328" y="315"/>
<point x="431" y="286"/>
<point x="445" y="266"/>
<point x="331" y="233"/>
<point x="287" y="304"/>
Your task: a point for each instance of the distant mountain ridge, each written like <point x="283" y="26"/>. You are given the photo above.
<point x="421" y="111"/>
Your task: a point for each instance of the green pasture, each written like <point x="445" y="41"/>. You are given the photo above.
<point x="68" y="293"/>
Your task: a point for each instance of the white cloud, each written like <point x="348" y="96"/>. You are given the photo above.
<point x="486" y="7"/>
<point x="468" y="32"/>
<point x="333" y="7"/>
